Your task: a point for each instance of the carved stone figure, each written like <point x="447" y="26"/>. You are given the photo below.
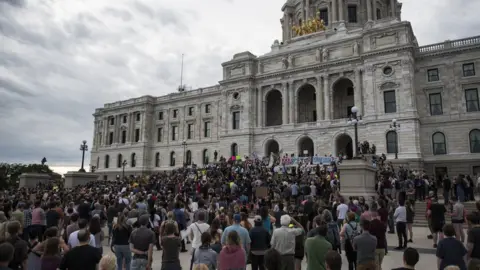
<point x="284" y="62"/>
<point x="355" y="48"/>
<point x="318" y="55"/>
<point x="325" y="54"/>
<point x="290" y="61"/>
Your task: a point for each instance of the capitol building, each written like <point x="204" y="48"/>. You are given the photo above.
<point x="297" y="99"/>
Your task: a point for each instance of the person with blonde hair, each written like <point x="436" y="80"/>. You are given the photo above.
<point x="107" y="263"/>
<point x="120" y="241"/>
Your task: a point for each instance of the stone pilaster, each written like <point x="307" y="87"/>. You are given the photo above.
<point x="341" y="11"/>
<point x="369" y="10"/>
<point x="326" y="94"/>
<point x="334" y="11"/>
<point x="358" y="92"/>
<point x="392" y="8"/>
<point x="259" y="106"/>
<point x="319" y="101"/>
<point x="227" y="112"/>
<point x="375" y="10"/>
<point x="284" y="104"/>
<point x="291" y="100"/>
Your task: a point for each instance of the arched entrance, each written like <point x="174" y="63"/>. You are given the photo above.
<point x="344" y="146"/>
<point x="343" y="98"/>
<point x="306" y="109"/>
<point x="271" y="147"/>
<point x="274" y="108"/>
<point x="305" y="147"/>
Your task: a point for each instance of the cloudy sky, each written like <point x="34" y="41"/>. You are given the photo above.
<point x="61" y="59"/>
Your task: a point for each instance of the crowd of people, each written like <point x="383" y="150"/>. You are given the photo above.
<point x="229" y="215"/>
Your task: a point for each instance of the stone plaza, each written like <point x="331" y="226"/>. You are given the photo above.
<point x="297" y="99"/>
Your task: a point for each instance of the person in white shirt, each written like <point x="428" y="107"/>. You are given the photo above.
<point x="73" y="238"/>
<point x="400" y="217"/>
<point x="195" y="230"/>
<point x="342" y="210"/>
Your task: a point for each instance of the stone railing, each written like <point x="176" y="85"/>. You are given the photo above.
<point x="449" y="44"/>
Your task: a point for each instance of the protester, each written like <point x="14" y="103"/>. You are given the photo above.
<point x="317" y="247"/>
<point x="232" y="256"/>
<point x="260" y="238"/>
<point x="451" y="251"/>
<point x="203" y="254"/>
<point x="83" y="256"/>
<point x="410" y="259"/>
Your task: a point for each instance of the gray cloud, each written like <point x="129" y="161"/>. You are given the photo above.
<point x="59" y="62"/>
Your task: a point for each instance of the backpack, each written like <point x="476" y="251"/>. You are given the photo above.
<point x="332" y="236"/>
<point x="354" y="233"/>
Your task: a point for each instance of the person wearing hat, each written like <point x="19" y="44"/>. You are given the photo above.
<point x="260" y="243"/>
<point x="242" y="232"/>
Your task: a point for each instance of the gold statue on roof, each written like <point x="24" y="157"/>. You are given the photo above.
<point x="312" y="25"/>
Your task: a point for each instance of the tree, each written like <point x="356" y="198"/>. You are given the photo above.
<point x="10" y="173"/>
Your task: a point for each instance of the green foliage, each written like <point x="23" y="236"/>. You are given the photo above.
<point x="9" y="173"/>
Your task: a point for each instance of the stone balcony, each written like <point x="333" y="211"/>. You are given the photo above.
<point x="449" y="45"/>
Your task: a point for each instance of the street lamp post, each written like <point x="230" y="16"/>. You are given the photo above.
<point x="83" y="148"/>
<point x="184" y="152"/>
<point x="393" y="127"/>
<point x="124" y="163"/>
<point x="354" y="120"/>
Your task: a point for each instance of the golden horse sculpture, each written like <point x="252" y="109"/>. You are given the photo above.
<point x="310" y="26"/>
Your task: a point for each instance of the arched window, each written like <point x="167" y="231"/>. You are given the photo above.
<point x="205" y="156"/>
<point x="119" y="160"/>
<point x="392" y="142"/>
<point x="475" y="141"/>
<point x="188" y="159"/>
<point x="107" y="161"/>
<point x="172" y="158"/>
<point x="133" y="160"/>
<point x="157" y="159"/>
<point x="234" y="149"/>
<point x="439" y="145"/>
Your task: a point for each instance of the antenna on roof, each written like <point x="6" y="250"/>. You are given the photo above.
<point x="181" y="88"/>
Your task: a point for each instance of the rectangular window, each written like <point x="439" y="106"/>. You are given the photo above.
<point x="190" y="111"/>
<point x="436" y="104"/>
<point x="112" y="121"/>
<point x="390" y="101"/>
<point x="124" y="136"/>
<point x="206" y="129"/>
<point x="433" y="75"/>
<point x="124" y="119"/>
<point x="159" y="134"/>
<point x="235" y="120"/>
<point x="174" y="133"/>
<point x="110" y="138"/>
<point x="207" y="108"/>
<point x="137" y="135"/>
<point x="324" y="15"/>
<point x="160" y="115"/>
<point x="175" y="113"/>
<point x="471" y="99"/>
<point x="352" y="14"/>
<point x="468" y="69"/>
<point x="190" y="131"/>
<point x="138" y="116"/>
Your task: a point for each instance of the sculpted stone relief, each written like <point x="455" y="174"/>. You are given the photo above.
<point x="237" y="70"/>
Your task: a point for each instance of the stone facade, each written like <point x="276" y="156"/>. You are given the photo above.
<point x="298" y="97"/>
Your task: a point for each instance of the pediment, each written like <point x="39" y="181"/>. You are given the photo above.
<point x="389" y="85"/>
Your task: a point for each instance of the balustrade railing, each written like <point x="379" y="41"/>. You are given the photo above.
<point x="449" y="44"/>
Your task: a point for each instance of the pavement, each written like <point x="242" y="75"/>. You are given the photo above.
<point x="392" y="260"/>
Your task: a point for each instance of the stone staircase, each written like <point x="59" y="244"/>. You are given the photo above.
<point x="420" y="210"/>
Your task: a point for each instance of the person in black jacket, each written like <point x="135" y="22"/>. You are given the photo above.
<point x="259" y="245"/>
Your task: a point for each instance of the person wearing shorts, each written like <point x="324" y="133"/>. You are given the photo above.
<point x="437" y="214"/>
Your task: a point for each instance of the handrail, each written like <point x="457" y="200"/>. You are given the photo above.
<point x="449" y="44"/>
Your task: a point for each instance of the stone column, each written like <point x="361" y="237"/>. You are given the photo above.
<point x="105" y="131"/>
<point x="334" y="11"/>
<point x="369" y="10"/>
<point x="291" y="107"/>
<point x="358" y="91"/>
<point x="303" y="11"/>
<point x="284" y="104"/>
<point x="375" y="10"/>
<point x="259" y="106"/>
<point x="307" y="10"/>
<point x="392" y="7"/>
<point x="326" y="94"/>
<point x="227" y="112"/>
<point x="341" y="13"/>
<point x="198" y="126"/>
<point x="319" y="101"/>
